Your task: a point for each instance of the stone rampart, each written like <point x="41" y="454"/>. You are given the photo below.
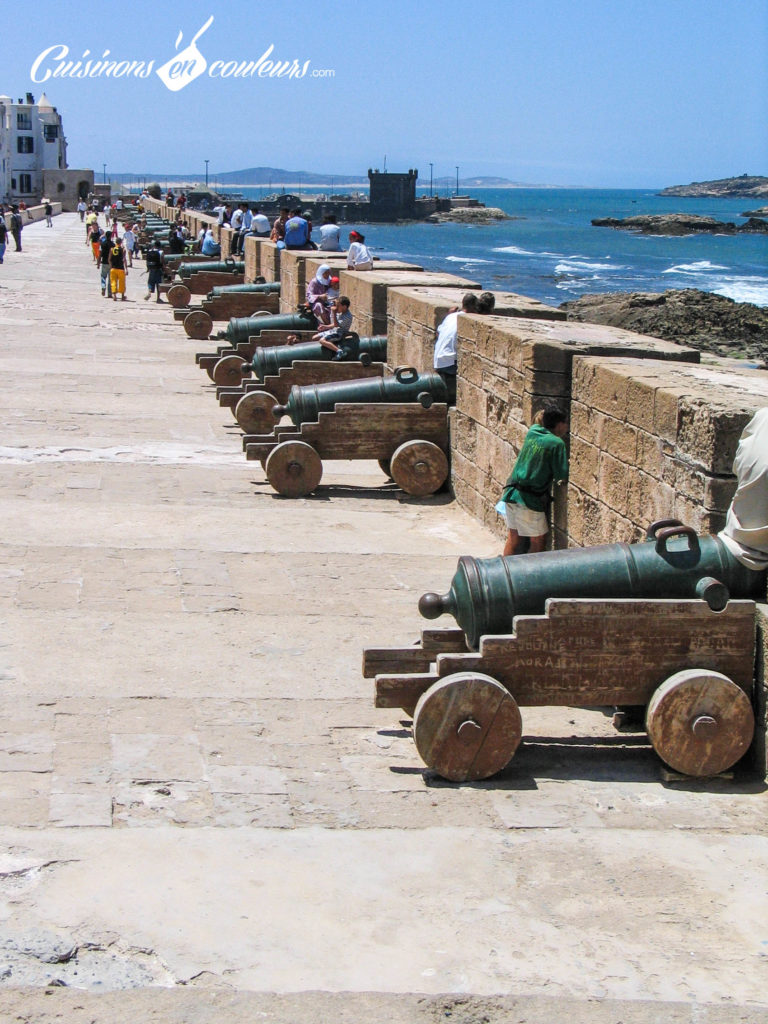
<point x="508" y="368"/>
<point x="653" y="440"/>
<point x="415" y="313"/>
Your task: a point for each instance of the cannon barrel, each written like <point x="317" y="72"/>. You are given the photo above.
<point x="212" y="267"/>
<point x="267" y="360"/>
<point x="674" y="563"/>
<point x="305" y="404"/>
<point x="241" y="328"/>
<point x="250" y="289"/>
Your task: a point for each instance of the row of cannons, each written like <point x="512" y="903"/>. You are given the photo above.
<point x="664" y="629"/>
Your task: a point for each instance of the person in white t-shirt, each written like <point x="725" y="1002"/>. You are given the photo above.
<point x="260" y="225"/>
<point x="330" y="235"/>
<point x="358" y="255"/>
<point x="446" y="351"/>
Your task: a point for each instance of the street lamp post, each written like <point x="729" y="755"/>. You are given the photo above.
<point x="206" y="173"/>
<point x="457" y="181"/>
<point x="104" y="173"/>
<point x="430" y="180"/>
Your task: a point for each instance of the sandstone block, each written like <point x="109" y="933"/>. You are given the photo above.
<point x="584" y="465"/>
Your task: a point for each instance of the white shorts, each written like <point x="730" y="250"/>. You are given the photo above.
<point x="525" y="521"/>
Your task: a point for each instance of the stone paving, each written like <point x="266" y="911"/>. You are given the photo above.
<point x="196" y="793"/>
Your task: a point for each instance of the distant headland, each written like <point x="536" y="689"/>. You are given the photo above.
<point x="743" y="186"/>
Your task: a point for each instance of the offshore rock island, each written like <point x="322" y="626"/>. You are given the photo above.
<point x="744" y="185"/>
<point x="681" y="224"/>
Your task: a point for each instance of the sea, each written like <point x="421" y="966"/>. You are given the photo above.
<point x="551" y="252"/>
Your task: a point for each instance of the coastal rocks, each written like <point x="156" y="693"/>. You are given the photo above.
<point x="762" y="211"/>
<point x="470" y="215"/>
<point x="744" y="185"/>
<point x="681" y="224"/>
<point x="711" y="323"/>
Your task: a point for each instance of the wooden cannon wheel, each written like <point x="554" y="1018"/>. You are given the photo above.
<point x="294" y="469"/>
<point x="467" y="726"/>
<point x="700" y="722"/>
<point x="419" y="467"/>
<point x="228" y="371"/>
<point x="254" y="412"/>
<point x="179" y="295"/>
<point x="385" y="465"/>
<point x="198" y="325"/>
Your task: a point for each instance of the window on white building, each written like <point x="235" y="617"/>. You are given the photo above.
<point x="24" y="122"/>
<point x="50" y="132"/>
<point x="25" y="144"/>
<point x="25" y="184"/>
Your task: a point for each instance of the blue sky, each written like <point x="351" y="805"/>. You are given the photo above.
<point x="624" y="93"/>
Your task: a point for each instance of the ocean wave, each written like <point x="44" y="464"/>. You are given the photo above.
<point x="581" y="266"/>
<point x="694" y="268"/>
<point x="742" y="289"/>
<point x="515" y="250"/>
<point x="465" y="259"/>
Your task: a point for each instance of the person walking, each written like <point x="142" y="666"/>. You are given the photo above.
<point x="105" y="246"/>
<point x="16" y="227"/>
<point x="129" y="243"/>
<point x="154" y="259"/>
<point x="3" y="236"/>
<point x="117" y="269"/>
<point x="48" y="209"/>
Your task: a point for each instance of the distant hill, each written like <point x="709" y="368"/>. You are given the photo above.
<point x="276" y="177"/>
<point x="479" y="182"/>
<point x="279" y="175"/>
<point x="743" y="186"/>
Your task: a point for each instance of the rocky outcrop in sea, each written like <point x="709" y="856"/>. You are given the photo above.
<point x="471" y="215"/>
<point x="681" y="224"/>
<point x="711" y="323"/>
<point x="743" y="185"/>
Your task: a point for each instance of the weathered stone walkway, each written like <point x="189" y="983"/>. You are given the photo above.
<point x="200" y="809"/>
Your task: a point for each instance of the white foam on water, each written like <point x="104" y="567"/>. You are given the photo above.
<point x="695" y="268"/>
<point x="515" y="250"/>
<point x="742" y="289"/>
<point x="586" y="271"/>
<point x="465" y="259"/>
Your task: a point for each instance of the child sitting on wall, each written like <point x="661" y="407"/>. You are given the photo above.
<point x="337" y="336"/>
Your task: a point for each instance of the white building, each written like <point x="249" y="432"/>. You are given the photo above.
<point x="31" y="141"/>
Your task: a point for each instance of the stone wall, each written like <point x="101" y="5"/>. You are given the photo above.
<point x="270" y="260"/>
<point x="252" y="257"/>
<point x="414" y="314"/>
<point x="33" y="214"/>
<point x="655" y="441"/>
<point x="67" y="185"/>
<point x="508" y="368"/>
<point x="295" y="271"/>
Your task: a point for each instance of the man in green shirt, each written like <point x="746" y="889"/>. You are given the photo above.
<point x="542" y="459"/>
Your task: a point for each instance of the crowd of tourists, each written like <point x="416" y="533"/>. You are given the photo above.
<point x="114" y="253"/>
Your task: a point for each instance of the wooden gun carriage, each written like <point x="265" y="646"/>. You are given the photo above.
<point x="688" y="662"/>
<point x="409" y="442"/>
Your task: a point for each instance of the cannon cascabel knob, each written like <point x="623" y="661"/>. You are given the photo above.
<point x="432" y="606"/>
